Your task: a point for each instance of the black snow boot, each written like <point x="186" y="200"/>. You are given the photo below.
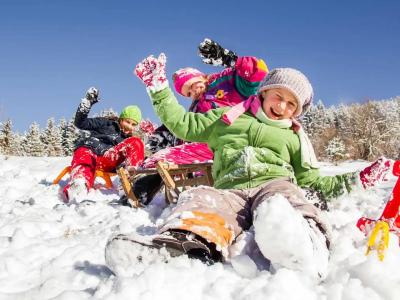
<point x="130" y="253"/>
<point x="146" y="187"/>
<point x="178" y="242"/>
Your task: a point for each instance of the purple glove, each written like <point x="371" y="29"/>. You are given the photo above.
<point x="376" y="172"/>
<point x="151" y="71"/>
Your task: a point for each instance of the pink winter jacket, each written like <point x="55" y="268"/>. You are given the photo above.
<point x="232" y="85"/>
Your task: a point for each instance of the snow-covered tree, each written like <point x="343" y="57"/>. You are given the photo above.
<point x="69" y="134"/>
<point x="369" y="130"/>
<point x="318" y="122"/>
<point x="315" y="120"/>
<point x="342" y="119"/>
<point x="6" y="138"/>
<point x="336" y="149"/>
<point x="389" y="110"/>
<point x="51" y="138"/>
<point x="18" y="144"/>
<point x="108" y="113"/>
<point x="33" y="144"/>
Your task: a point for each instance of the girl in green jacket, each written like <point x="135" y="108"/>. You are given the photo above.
<point x="261" y="159"/>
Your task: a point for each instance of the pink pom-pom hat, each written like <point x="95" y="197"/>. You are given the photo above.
<point x="184" y="78"/>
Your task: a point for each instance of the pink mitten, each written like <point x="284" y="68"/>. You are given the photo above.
<point x="152" y="72"/>
<point x="376" y="172"/>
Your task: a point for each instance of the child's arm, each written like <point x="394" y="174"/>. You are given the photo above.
<point x="160" y="139"/>
<point x="329" y="186"/>
<point x="249" y="72"/>
<point x="188" y="126"/>
<point x="334" y="186"/>
<point x="185" y="125"/>
<point x="246" y="75"/>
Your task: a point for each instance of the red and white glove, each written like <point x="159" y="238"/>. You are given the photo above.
<point x="151" y="71"/>
<point x="376" y="172"/>
<point x="147" y="127"/>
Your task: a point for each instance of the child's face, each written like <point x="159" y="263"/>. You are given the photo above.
<point x="279" y="104"/>
<point x="127" y="126"/>
<point x="197" y="90"/>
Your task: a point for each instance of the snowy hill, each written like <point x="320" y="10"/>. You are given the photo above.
<point x="49" y="250"/>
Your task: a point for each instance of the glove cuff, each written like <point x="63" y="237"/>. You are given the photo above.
<point x="156" y="87"/>
<point x="85" y="105"/>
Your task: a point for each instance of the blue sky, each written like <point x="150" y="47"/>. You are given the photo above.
<point x="52" y="51"/>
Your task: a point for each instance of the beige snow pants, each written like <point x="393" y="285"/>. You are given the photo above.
<point x="219" y="216"/>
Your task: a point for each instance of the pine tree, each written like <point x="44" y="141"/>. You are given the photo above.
<point x="336" y="149"/>
<point x="69" y="135"/>
<point x="6" y="138"/>
<point x="342" y="118"/>
<point x="63" y="129"/>
<point x="316" y="120"/>
<point x="17" y="145"/>
<point x="33" y="144"/>
<point x="108" y="113"/>
<point x="51" y="138"/>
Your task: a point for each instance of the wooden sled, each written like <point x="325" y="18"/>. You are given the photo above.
<point x="176" y="178"/>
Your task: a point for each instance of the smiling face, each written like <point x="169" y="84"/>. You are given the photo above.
<point x="196" y="90"/>
<point x="279" y="104"/>
<point x="127" y="126"/>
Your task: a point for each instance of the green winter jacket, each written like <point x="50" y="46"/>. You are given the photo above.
<point x="248" y="152"/>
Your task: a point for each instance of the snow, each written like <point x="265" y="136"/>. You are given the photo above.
<point x="49" y="250"/>
<point x="277" y="223"/>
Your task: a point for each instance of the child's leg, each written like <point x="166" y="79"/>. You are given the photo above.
<point x="217" y="216"/>
<point x="289" y="231"/>
<point x="83" y="167"/>
<point x="146" y="187"/>
<point x="203" y="224"/>
<point x="130" y="151"/>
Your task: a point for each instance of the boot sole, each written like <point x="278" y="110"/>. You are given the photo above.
<point x="127" y="255"/>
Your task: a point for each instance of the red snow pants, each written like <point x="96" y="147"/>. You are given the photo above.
<point x="85" y="162"/>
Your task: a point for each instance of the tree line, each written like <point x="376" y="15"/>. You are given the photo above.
<point x="355" y="131"/>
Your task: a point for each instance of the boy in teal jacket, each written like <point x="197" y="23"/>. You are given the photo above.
<point x="261" y="157"/>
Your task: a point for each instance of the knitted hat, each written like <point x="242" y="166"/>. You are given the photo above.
<point x="184" y="78"/>
<point x="292" y="80"/>
<point x="131" y="112"/>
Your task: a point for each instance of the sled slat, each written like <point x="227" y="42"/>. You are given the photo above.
<point x="126" y="185"/>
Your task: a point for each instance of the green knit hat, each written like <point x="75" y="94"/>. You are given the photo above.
<point x="131" y="112"/>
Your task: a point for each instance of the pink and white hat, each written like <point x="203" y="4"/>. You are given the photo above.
<point x="184" y="78"/>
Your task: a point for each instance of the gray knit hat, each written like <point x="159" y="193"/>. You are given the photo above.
<point x="292" y="80"/>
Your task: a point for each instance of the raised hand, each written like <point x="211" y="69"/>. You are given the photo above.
<point x="213" y="54"/>
<point x="152" y="72"/>
<point x="92" y="95"/>
<point x="376" y="172"/>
